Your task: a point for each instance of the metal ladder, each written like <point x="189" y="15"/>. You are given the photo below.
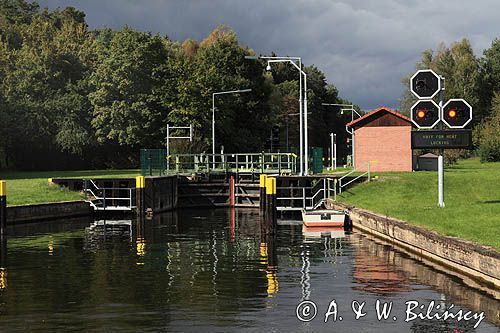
<point x="100" y="198"/>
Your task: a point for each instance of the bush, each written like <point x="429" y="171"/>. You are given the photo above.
<point x="489" y="149"/>
<point x="489" y="134"/>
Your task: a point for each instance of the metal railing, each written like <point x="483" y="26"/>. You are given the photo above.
<point x="100" y="198"/>
<point x="279" y="163"/>
<point x="307" y="197"/>
<point x="341" y="185"/>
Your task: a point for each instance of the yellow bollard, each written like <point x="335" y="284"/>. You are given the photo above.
<point x="140" y="184"/>
<point x="262" y="199"/>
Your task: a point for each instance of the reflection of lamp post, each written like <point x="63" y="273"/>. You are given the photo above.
<point x="303" y="155"/>
<point x="213" y="116"/>
<point x="350" y="107"/>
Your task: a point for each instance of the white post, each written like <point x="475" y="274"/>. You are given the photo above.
<point x="353" y="152"/>
<point x="306" y="144"/>
<point x="369" y="171"/>
<point x="335" y="151"/>
<point x="301" y="123"/>
<point x="441" y="153"/>
<point x="213" y="131"/>
<point x="168" y="148"/>
<point x="331" y="151"/>
<point x="353" y="143"/>
<point x="440" y="182"/>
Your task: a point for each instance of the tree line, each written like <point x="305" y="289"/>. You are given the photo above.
<point x="71" y="97"/>
<point x="475" y="79"/>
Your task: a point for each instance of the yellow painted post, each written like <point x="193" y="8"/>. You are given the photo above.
<point x="262" y="199"/>
<point x="270" y="212"/>
<point x="140" y="184"/>
<point x="3" y="207"/>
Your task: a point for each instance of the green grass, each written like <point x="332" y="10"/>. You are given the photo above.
<point x="472" y="199"/>
<point x="32" y="187"/>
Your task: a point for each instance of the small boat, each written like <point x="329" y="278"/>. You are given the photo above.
<point x="324" y="218"/>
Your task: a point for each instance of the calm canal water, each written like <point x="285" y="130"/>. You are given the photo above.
<point x="212" y="271"/>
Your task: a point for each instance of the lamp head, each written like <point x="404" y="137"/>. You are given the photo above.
<point x="268" y="67"/>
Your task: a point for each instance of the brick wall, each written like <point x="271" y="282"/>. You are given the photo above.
<point x="389" y="146"/>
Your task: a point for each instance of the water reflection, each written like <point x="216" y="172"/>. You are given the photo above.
<point x="3" y="263"/>
<point x="100" y="232"/>
<point x="413" y="269"/>
<point x="212" y="271"/>
<point x="376" y="270"/>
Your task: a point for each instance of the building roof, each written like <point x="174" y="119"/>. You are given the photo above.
<point x="376" y="112"/>
<point x="429" y="155"/>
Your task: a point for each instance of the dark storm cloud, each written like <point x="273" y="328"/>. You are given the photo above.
<point x="363" y="46"/>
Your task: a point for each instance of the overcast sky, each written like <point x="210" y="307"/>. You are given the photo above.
<point x="363" y="46"/>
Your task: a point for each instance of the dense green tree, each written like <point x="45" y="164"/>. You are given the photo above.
<point x="127" y="107"/>
<point x="242" y="120"/>
<point x="489" y="76"/>
<point x="43" y="89"/>
<point x="66" y="92"/>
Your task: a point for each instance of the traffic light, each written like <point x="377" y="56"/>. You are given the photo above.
<point x="457" y="113"/>
<point x="425" y="114"/>
<point x="425" y="84"/>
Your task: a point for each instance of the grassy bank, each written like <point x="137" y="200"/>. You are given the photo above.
<point x="32" y="187"/>
<point x="472" y="198"/>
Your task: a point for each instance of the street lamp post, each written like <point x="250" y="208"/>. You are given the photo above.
<point x="304" y="143"/>
<point x="333" y="151"/>
<point x="213" y="116"/>
<point x="350" y="107"/>
<point x="303" y="138"/>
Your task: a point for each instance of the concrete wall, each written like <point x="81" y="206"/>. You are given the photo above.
<point x="160" y="193"/>
<point x="389" y="146"/>
<point x="29" y="213"/>
<point x="475" y="261"/>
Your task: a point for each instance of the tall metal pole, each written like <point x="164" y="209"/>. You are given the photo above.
<point x="335" y="151"/>
<point x="302" y="103"/>
<point x="301" y="123"/>
<point x="331" y="151"/>
<point x="352" y="141"/>
<point x="168" y="148"/>
<point x="213" y="131"/>
<point x="441" y="152"/>
<point x="306" y="135"/>
<point x="347" y="130"/>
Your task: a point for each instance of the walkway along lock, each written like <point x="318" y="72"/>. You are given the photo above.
<point x="270" y="216"/>
<point x="3" y="207"/>
<point x="139" y="186"/>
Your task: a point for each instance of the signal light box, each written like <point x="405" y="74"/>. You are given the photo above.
<point x="425" y="84"/>
<point x="457" y="113"/>
<point x="425" y="114"/>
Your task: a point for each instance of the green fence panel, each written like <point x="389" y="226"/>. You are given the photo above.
<point x="317" y="160"/>
<point x="153" y="162"/>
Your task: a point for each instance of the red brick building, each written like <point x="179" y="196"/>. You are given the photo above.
<point x="382" y="137"/>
